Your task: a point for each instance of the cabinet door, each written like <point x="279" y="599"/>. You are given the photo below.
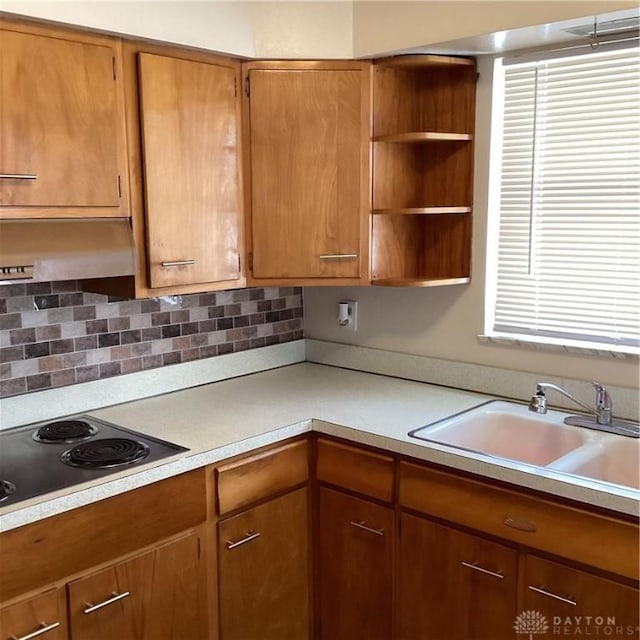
<point x="309" y="166"/>
<point x="263" y="564"/>
<point x="60" y="133"/>
<point x="189" y="114"/>
<point x="454" y="585"/>
<point x="570" y="602"/>
<point x="155" y="596"/>
<point x="355" y="553"/>
<point x="42" y="616"/>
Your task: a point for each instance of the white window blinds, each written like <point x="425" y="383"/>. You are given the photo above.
<point x="568" y="255"/>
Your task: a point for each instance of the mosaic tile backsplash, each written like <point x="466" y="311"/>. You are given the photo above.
<point x="52" y="334"/>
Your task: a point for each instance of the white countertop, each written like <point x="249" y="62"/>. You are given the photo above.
<point x="219" y="420"/>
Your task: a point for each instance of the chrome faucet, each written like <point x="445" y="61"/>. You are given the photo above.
<point x="603" y="410"/>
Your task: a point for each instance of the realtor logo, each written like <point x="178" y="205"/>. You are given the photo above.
<point x="531" y="623"/>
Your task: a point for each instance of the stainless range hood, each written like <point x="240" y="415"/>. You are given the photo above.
<point x="45" y="250"/>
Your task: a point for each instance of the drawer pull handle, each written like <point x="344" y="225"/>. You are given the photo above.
<point x="177" y="263"/>
<point x="249" y="536"/>
<point x="115" y="597"/>
<point x="44" y="628"/>
<point x="541" y="590"/>
<point x="520" y="524"/>
<point x="476" y="567"/>
<point x="18" y="176"/>
<point x="363" y="526"/>
<point x="338" y="256"/>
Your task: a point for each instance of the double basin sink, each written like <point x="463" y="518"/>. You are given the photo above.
<point x="510" y="431"/>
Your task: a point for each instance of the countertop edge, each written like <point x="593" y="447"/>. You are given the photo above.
<point x="527" y="477"/>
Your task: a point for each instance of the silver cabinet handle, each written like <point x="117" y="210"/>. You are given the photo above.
<point x="476" y="567"/>
<point x="177" y="263"/>
<point x="116" y="596"/>
<point x="363" y="526"/>
<point x="338" y="256"/>
<point x="44" y="628"/>
<point x="18" y="176"/>
<point x="248" y="537"/>
<point x="541" y="590"/>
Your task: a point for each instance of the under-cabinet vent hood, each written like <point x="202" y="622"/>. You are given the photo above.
<point x="45" y="250"/>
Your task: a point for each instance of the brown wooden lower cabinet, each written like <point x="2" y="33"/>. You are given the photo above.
<point x="263" y="571"/>
<point x="42" y="616"/>
<point x="156" y="595"/>
<point x="355" y="560"/>
<point x="453" y="585"/>
<point x="576" y="603"/>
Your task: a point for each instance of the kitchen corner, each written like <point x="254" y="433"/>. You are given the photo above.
<point x="319" y="320"/>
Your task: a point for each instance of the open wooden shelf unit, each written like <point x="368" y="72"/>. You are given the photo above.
<point x="423" y="125"/>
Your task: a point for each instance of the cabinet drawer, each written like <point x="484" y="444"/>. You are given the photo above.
<point x="362" y="471"/>
<point x="44" y="613"/>
<point x="535" y="522"/>
<point x="257" y="477"/>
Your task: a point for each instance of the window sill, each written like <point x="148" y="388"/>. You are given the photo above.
<point x="552" y="345"/>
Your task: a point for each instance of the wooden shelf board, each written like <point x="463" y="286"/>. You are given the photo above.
<point x="424" y="60"/>
<point x="404" y="282"/>
<point x="420" y="137"/>
<point x="413" y="211"/>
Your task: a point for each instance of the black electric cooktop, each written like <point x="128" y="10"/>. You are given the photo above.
<point x="38" y="459"/>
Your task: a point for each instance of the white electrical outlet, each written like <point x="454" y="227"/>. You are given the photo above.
<point x="348" y="315"/>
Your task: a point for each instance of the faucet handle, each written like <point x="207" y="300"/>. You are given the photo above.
<point x="603" y="399"/>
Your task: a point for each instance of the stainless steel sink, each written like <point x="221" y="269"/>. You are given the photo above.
<point x="507" y="430"/>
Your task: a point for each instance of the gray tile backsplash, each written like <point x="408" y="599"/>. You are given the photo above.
<point x="53" y="334"/>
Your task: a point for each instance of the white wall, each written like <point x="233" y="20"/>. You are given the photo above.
<point x="387" y="26"/>
<point x="303" y="29"/>
<point x="444" y="322"/>
<point x="221" y="26"/>
<point x="248" y="29"/>
<point x="306" y="29"/>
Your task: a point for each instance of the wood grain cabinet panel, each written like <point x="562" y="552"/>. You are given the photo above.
<point x="254" y="478"/>
<point x="454" y="585"/>
<point x="42" y="616"/>
<point x="309" y="165"/>
<point x="51" y="549"/>
<point x="576" y="603"/>
<point x="62" y="125"/>
<point x="155" y="596"/>
<point x="355" y="557"/>
<point x="190" y="143"/>
<point x="351" y="468"/>
<point x="522" y="518"/>
<point x="263" y="571"/>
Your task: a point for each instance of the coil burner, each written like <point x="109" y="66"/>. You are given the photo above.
<point x="106" y="453"/>
<point x="65" y="432"/>
<point x="6" y="489"/>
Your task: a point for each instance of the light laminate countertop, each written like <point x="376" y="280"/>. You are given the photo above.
<point x="223" y="419"/>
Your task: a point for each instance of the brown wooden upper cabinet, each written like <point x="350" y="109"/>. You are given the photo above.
<point x="62" y="134"/>
<point x="184" y="108"/>
<point x="307" y="155"/>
